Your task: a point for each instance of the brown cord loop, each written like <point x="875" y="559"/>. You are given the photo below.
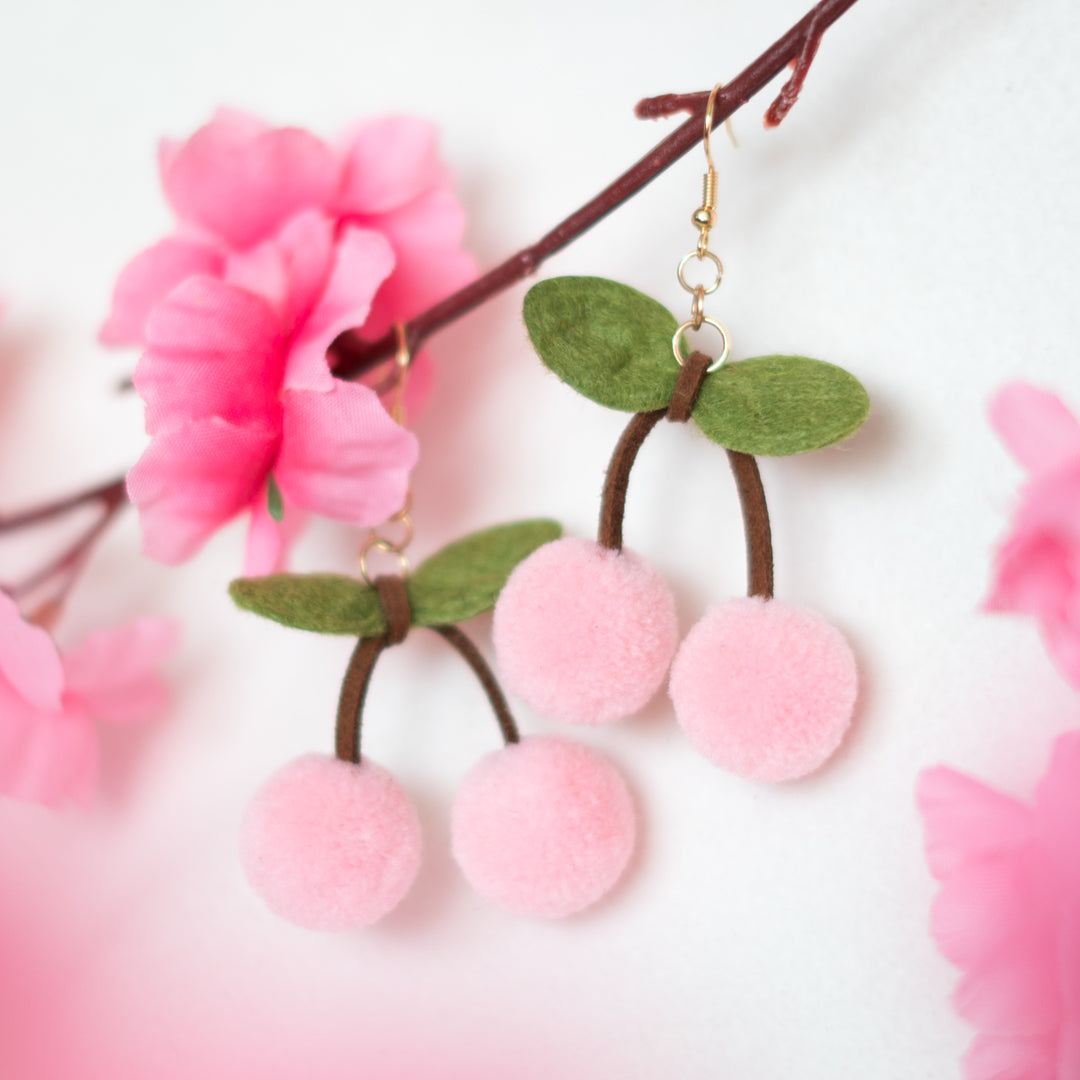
<point x="395" y="604"/>
<point x="755" y="510"/>
<point x="688" y="386"/>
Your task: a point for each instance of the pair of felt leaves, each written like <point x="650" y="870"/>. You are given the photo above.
<point x="462" y="580"/>
<point x="613" y="344"/>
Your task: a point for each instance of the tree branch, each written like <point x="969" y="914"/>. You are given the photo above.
<point x="111" y="494"/>
<point x="351" y="356"/>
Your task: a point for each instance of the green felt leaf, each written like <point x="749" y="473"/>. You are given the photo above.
<point x="465" y="578"/>
<point x="608" y="341"/>
<point x="779" y="405"/>
<point x="275" y="504"/>
<point x="324" y="603"/>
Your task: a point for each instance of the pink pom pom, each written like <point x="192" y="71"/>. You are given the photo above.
<point x="764" y="689"/>
<point x="584" y="634"/>
<point x="331" y="845"/>
<point x="543" y="827"/>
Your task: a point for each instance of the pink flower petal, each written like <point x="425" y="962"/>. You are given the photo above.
<point x="1057" y="812"/>
<point x="193" y="479"/>
<point x="994" y="919"/>
<point x="213" y="349"/>
<point x="1032" y="573"/>
<point x="269" y="541"/>
<point x="390" y="162"/>
<point x="1062" y="640"/>
<point x="29" y="658"/>
<point x="308" y="250"/>
<point x="113" y="673"/>
<point x="147" y="279"/>
<point x="17" y="719"/>
<point x="243" y="186"/>
<point x="260" y="270"/>
<point x="964" y="819"/>
<point x="992" y="1057"/>
<point x="61" y="761"/>
<point x="46" y="756"/>
<point x="1036" y="426"/>
<point x="362" y="261"/>
<point x="289" y="271"/>
<point x="343" y="456"/>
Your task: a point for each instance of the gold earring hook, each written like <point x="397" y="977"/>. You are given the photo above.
<point x="403" y="359"/>
<point x="704" y="217"/>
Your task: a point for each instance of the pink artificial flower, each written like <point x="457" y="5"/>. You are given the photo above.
<point x="283" y="242"/>
<point x="1037" y="568"/>
<point x="1008" y="914"/>
<point x="48" y="702"/>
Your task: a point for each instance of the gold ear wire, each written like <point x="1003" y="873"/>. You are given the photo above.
<point x="704" y="217"/>
<point x="403" y="359"/>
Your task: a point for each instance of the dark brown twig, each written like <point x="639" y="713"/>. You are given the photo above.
<point x="789" y="92"/>
<point x="111" y="494"/>
<point x="66" y="565"/>
<point x="351" y="356"/>
<point x="473" y="657"/>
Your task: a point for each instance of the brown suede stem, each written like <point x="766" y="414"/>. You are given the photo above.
<point x="395" y="605"/>
<point x="353" y="692"/>
<point x="472" y="656"/>
<point x="755" y="511"/>
<point x="613" y="500"/>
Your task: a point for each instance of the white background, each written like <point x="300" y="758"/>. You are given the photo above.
<point x="914" y="220"/>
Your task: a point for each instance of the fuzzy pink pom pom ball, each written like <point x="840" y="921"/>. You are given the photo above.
<point x="331" y="845"/>
<point x="764" y="689"/>
<point x="543" y="827"/>
<point x="584" y="634"/>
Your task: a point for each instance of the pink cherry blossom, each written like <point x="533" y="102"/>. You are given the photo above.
<point x="1008" y="915"/>
<point x="1037" y="567"/>
<point x="48" y="701"/>
<point x="283" y="242"/>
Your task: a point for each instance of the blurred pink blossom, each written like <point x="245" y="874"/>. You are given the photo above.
<point x="283" y="242"/>
<point x="1008" y="914"/>
<point x="48" y="702"/>
<point x="1037" y="567"/>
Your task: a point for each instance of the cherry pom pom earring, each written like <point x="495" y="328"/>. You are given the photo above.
<point x="587" y="632"/>
<point x="543" y="826"/>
